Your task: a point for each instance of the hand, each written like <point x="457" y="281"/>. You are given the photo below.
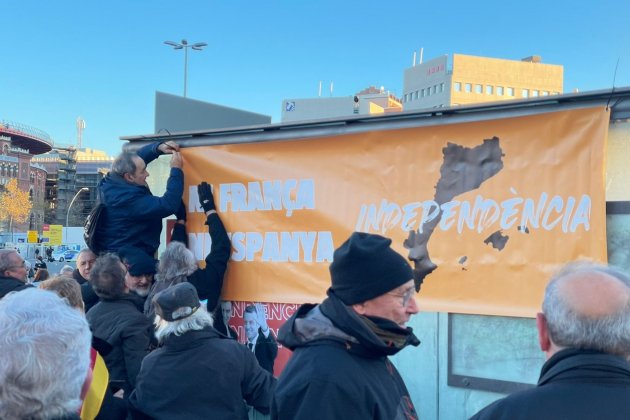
<point x="205" y="197"/>
<point x="180" y="214"/>
<point x="177" y="161"/>
<point x="260" y="317"/>
<point x="168" y="147"/>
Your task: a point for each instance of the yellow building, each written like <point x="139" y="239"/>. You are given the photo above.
<point x="466" y="79"/>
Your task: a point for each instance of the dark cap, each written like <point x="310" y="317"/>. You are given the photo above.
<point x="176" y="302"/>
<point x="365" y="267"/>
<point x="137" y="261"/>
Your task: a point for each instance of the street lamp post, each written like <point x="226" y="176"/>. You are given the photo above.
<point x="185" y="45"/>
<point x="72" y="202"/>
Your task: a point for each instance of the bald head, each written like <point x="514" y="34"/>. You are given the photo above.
<point x="587" y="306"/>
<point x="593" y="294"/>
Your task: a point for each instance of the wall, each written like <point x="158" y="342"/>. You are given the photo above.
<point x="175" y="113"/>
<point x="316" y="108"/>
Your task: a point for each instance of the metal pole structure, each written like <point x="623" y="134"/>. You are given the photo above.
<point x="72" y="202"/>
<point x="185" y="65"/>
<point x="184" y="45"/>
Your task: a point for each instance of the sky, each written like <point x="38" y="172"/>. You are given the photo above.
<point x="104" y="61"/>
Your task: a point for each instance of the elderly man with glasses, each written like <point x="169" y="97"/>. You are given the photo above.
<point x="13" y="272"/>
<point x="340" y="367"/>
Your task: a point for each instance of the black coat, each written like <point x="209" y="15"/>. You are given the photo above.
<point x="266" y="350"/>
<point x="200" y="375"/>
<point x="573" y="384"/>
<point x="340" y="370"/>
<point x="128" y="331"/>
<point x="9" y="284"/>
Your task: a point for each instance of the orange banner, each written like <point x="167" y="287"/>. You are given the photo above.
<point x="485" y="210"/>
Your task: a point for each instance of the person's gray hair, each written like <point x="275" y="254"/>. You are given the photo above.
<point x="45" y="359"/>
<point x="83" y="251"/>
<point x="5" y="259"/>
<point x="124" y="163"/>
<point x="570" y="329"/>
<point x="108" y="277"/>
<point x="66" y="270"/>
<point x="199" y="320"/>
<point x="176" y="263"/>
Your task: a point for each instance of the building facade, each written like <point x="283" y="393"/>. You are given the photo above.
<point x="370" y="101"/>
<point x="466" y="79"/>
<point x="19" y="143"/>
<point x="69" y="170"/>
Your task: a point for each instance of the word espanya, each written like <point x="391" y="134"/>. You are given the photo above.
<point x="288" y="195"/>
<point x="270" y="246"/>
<point x="545" y="213"/>
<point x="280" y="195"/>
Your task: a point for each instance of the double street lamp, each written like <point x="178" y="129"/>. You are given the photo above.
<point x="185" y="45"/>
<point x="72" y="202"/>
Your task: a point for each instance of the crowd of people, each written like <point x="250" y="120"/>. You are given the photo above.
<point x="125" y="335"/>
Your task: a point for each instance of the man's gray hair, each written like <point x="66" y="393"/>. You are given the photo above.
<point x="6" y="260"/>
<point x="45" y="350"/>
<point x="66" y="270"/>
<point x="176" y="263"/>
<point x="570" y="329"/>
<point x="108" y="277"/>
<point x="124" y="164"/>
<point x="85" y="251"/>
<point x="197" y="321"/>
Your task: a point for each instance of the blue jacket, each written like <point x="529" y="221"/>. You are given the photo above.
<point x="133" y="216"/>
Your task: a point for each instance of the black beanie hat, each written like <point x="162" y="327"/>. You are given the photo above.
<point x="365" y="267"/>
<point x="138" y="262"/>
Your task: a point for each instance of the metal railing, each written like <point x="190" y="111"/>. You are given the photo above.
<point x="23" y="129"/>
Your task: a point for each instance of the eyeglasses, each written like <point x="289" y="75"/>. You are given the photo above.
<point x="406" y="296"/>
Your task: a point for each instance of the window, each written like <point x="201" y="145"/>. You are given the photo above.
<point x="510" y="91"/>
<point x="434" y="89"/>
<point x="458" y="87"/>
<point x="488" y="89"/>
<point x="441" y="87"/>
<point x="416" y="95"/>
<point x="534" y="93"/>
<point x="478" y="89"/>
<point x="468" y="87"/>
<point x="500" y="90"/>
<point x="405" y="98"/>
<point x="545" y="93"/>
<point x="525" y="93"/>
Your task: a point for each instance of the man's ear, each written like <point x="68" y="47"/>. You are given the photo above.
<point x="359" y="308"/>
<point x="543" y="332"/>
<point x="127" y="177"/>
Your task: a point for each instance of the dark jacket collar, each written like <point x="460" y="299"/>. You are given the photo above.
<point x="578" y="364"/>
<point x="332" y="320"/>
<point x="188" y="339"/>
